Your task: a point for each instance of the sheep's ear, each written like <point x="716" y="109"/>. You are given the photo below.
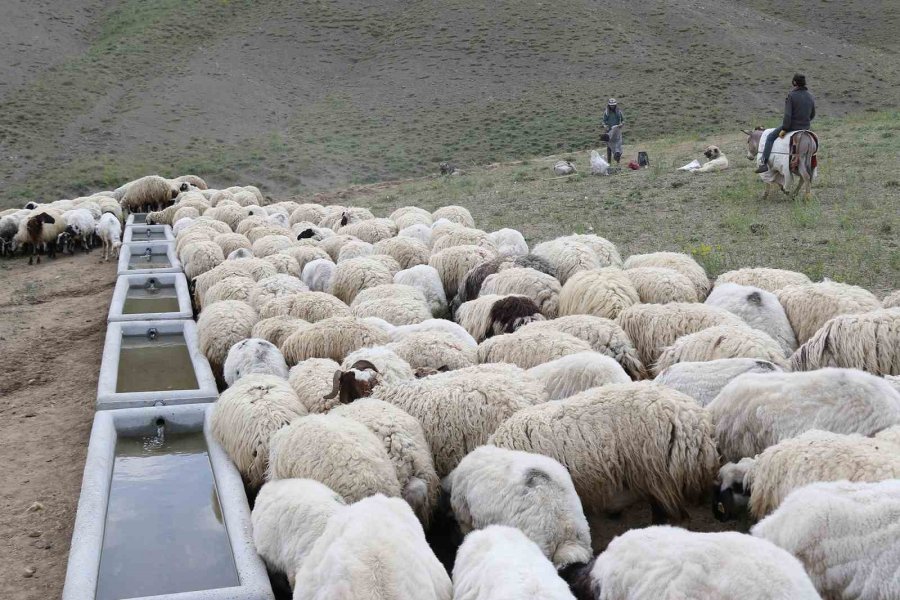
<point x="336" y="386"/>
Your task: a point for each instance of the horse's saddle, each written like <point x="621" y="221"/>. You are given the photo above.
<point x="795" y="152"/>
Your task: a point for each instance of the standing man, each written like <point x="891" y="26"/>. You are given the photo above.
<point x="613" y="116"/>
<point x="799" y="111"/>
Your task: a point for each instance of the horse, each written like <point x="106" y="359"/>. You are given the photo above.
<point x="780" y="172"/>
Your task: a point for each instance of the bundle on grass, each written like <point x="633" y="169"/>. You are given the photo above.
<point x="677" y="261"/>
<point x="703" y="381"/>
<point x="602" y="292"/>
<point x="810" y="306"/>
<point x="867" y="513"/>
<point x="569" y="375"/>
<point x="658" y="285"/>
<point x="321" y="447"/>
<point x="758" y="308"/>
<point x="460" y="409"/>
<point x="604" y="335"/>
<point x="756" y="411"/>
<point x="491" y="315"/>
<point x="246" y="415"/>
<point x="543" y="289"/>
<point x="622" y="443"/>
<point x="654" y="327"/>
<point x="869" y="342"/>
<point x="725" y="341"/>
<point x="669" y="562"/>
<point x="810" y="457"/>
<point x="332" y="338"/>
<point x="770" y="280"/>
<point x="496" y="486"/>
<point x="528" y="349"/>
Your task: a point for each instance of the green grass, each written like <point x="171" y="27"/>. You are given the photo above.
<point x="847" y="231"/>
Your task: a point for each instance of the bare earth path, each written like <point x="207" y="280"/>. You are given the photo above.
<point x="52" y="325"/>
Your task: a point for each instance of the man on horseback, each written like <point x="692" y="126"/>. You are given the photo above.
<point x="613" y="117"/>
<point x="799" y="111"/>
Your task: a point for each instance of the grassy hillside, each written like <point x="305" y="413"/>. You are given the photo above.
<point x="849" y="231"/>
<point x="308" y="96"/>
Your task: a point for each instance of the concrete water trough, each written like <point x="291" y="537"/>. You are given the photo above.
<point x="141" y="234"/>
<point x="151" y="298"/>
<point x="153" y="363"/>
<point x="162" y="513"/>
<point x="136" y="219"/>
<point x="149" y="257"/>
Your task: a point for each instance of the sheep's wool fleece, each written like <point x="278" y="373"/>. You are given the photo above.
<point x="649" y="440"/>
<point x="756" y="410"/>
<point x="460" y="409"/>
<point x="569" y="375"/>
<point x="528" y="349"/>
<point x="254" y="356"/>
<point x="288" y="517"/>
<point x="809" y="307"/>
<point x="501" y="563"/>
<point x="309" y="306"/>
<point x="721" y="342"/>
<point x="496" y="486"/>
<point x="567" y="257"/>
<point x="404" y="441"/>
<point x="341" y="453"/>
<point x="846" y="535"/>
<point x="703" y="381"/>
<point x="869" y="341"/>
<point x="654" y="327"/>
<point x="601" y="292"/>
<point x="333" y="338"/>
<point x="391" y="368"/>
<point x="892" y="300"/>
<point x="434" y="350"/>
<point x="244" y="417"/>
<point x="371" y="550"/>
<point x="770" y="280"/>
<point x="312" y="380"/>
<point x="658" y="285"/>
<point x="758" y="308"/>
<point x="817" y="456"/>
<point x="604" y="336"/>
<point x="277" y="329"/>
<point x="543" y="289"/>
<point x="677" y="261"/>
<point x="669" y="562"/>
<point x="221" y="326"/>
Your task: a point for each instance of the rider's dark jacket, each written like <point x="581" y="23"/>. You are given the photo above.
<point x="799" y="110"/>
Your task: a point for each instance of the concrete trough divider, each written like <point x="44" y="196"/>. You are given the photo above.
<point x="153" y="363"/>
<point x="86" y="577"/>
<point x="136" y="219"/>
<point x="149" y="257"/>
<point x="151" y="298"/>
<point x="141" y="234"/>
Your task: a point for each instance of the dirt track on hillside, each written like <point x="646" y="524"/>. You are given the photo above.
<point x="52" y="325"/>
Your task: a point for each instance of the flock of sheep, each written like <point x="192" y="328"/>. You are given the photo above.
<point x="384" y="377"/>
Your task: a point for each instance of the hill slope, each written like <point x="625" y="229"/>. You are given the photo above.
<point x="304" y="96"/>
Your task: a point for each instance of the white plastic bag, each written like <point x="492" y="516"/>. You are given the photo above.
<point x="694" y="164"/>
<point x="598" y="165"/>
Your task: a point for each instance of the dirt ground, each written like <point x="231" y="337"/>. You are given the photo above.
<point x="52" y="326"/>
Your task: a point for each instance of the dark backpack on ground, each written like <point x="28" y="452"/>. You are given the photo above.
<point x="643" y="159"/>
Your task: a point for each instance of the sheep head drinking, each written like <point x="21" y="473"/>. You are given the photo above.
<point x="357" y="382"/>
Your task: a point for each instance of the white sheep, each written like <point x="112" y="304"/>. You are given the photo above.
<point x="569" y="375"/>
<point x="496" y="486"/>
<point x="440" y="325"/>
<point x="451" y="234"/>
<point x="318" y="273"/>
<point x="405" y="305"/>
<point x="454" y="214"/>
<point x="677" y="261"/>
<point x="277" y="329"/>
<point x="200" y="257"/>
<point x="810" y="306"/>
<point x="605" y="250"/>
<point x="703" y="381"/>
<point x="356" y="274"/>
<point x="892" y="300"/>
<point x="529" y="348"/>
<point x="490" y="315"/>
<point x="669" y="562"/>
<point x="602" y="292"/>
<point x="604" y="335"/>
<point x="419" y="232"/>
<point x="289" y="515"/>
<point x="434" y="350"/>
<point x="374" y="548"/>
<point x="868" y="341"/>
<point x="221" y="326"/>
<point x="354" y="249"/>
<point x="308" y="212"/>
<point x="543" y="289"/>
<point x="253" y="356"/>
<point x="408" y="252"/>
<point x="246" y="415"/>
<point x="658" y="285"/>
<point x="645" y="442"/>
<point x="770" y="280"/>
<point x="856" y="554"/>
<point x="332" y="338"/>
<point x="404" y="441"/>
<point x="453" y="263"/>
<point x="370" y="230"/>
<point x="277" y="286"/>
<point x="338" y="452"/>
<point x="509" y="242"/>
<point x="411" y="215"/>
<point x="109" y="230"/>
<point x="428" y="281"/>
<point x="309" y="306"/>
<point x="758" y="410"/>
<point x="313" y="380"/>
<point x="567" y="257"/>
<point x="501" y="563"/>
<point x="758" y="308"/>
<point x="460" y="409"/>
<point x="255" y="268"/>
<point x="795" y="462"/>
<point x="726" y="341"/>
